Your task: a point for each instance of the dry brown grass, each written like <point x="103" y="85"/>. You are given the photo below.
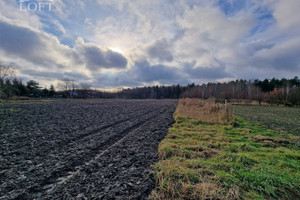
<point x="205" y="190"/>
<point x="204" y="110"/>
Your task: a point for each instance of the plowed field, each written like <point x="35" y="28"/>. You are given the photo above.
<point x="81" y="149"/>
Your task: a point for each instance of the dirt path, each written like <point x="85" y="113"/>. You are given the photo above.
<point x="81" y="149"/>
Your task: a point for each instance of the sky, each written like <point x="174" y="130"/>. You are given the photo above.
<point x="113" y="44"/>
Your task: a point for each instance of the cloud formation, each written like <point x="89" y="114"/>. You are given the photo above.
<point x="34" y="46"/>
<point x="97" y="58"/>
<point x="45" y="51"/>
<point x="122" y="43"/>
<point x="160" y="50"/>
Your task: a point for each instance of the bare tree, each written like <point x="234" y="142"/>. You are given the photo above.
<point x="67" y="85"/>
<point x="74" y="86"/>
<point x="84" y="89"/>
<point x="84" y="86"/>
<point x="6" y="71"/>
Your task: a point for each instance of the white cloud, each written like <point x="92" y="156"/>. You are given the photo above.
<point x="135" y="23"/>
<point x="287" y="14"/>
<point x="10" y="12"/>
<point x="207" y="31"/>
<point x="137" y="42"/>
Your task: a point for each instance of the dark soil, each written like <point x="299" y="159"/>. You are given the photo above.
<point x="81" y="149"/>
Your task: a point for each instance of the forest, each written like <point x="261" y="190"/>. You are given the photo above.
<point x="273" y="91"/>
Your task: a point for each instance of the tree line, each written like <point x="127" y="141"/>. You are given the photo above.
<point x="279" y="91"/>
<point x="11" y="86"/>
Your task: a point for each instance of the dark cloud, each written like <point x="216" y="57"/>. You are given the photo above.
<point x="121" y="79"/>
<point x="283" y="57"/>
<point x="97" y="58"/>
<point x="44" y="50"/>
<point x="47" y="75"/>
<point x="144" y="72"/>
<point x="256" y="46"/>
<point x="208" y="73"/>
<point x="21" y="42"/>
<point x="160" y="50"/>
<point x="205" y="72"/>
<point x="140" y="73"/>
<point x="36" y="47"/>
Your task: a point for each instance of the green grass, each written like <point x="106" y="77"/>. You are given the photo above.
<point x="241" y="160"/>
<point x="274" y="117"/>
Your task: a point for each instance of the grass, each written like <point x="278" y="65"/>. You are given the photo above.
<point x="274" y="117"/>
<point x="204" y="110"/>
<point x="233" y="159"/>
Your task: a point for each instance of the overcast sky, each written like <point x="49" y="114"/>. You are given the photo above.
<point x="129" y="43"/>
